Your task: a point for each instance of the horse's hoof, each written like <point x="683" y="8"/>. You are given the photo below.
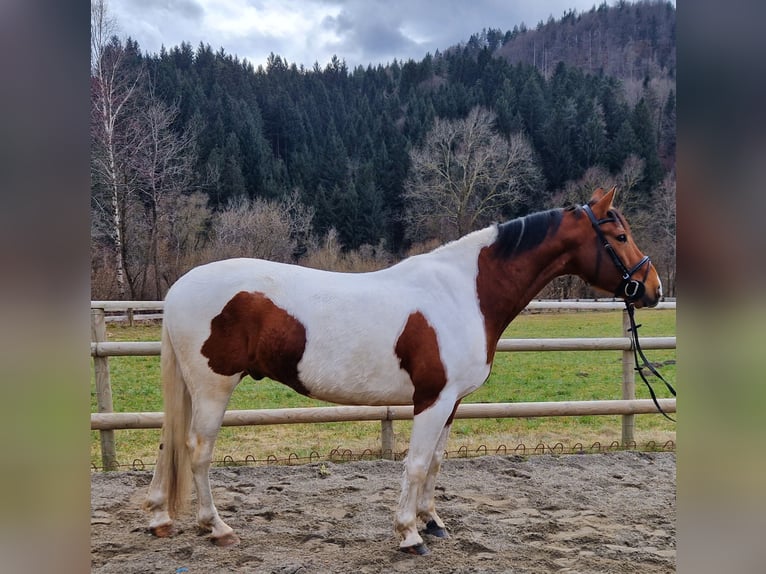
<point x="435" y="530"/>
<point x="163" y="530"/>
<point x="417" y="549"/>
<point x="229" y="539"/>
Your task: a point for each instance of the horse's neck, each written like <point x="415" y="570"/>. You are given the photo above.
<point x="506" y="285"/>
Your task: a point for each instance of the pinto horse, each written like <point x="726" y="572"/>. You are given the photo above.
<point x="422" y="332"/>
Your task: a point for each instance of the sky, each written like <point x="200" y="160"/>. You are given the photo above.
<point x="303" y="32"/>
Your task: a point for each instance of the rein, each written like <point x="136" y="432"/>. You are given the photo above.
<point x="645" y="363"/>
<point x="630" y="290"/>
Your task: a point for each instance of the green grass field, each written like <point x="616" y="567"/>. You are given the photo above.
<point x="515" y="377"/>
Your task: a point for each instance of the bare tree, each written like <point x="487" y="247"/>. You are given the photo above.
<point x="661" y="233"/>
<point x="113" y="86"/>
<point x="162" y="168"/>
<point x="186" y="221"/>
<point x="465" y="175"/>
<point x="630" y="175"/>
<point x="326" y="254"/>
<point x="577" y="192"/>
<point x="260" y="228"/>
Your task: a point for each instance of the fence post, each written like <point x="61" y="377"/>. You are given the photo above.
<point x="628" y="383"/>
<point x="103" y="389"/>
<point x="387" y="438"/>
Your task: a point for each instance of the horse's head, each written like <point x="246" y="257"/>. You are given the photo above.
<point x="610" y="259"/>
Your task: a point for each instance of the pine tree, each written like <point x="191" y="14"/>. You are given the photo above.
<point x="592" y="142"/>
<point x="232" y="182"/>
<point x="624" y="143"/>
<point x="646" y="145"/>
<point x="533" y="108"/>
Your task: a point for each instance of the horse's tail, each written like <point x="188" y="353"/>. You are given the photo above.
<point x="176" y="463"/>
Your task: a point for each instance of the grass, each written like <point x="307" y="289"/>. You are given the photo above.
<point x="515" y="377"/>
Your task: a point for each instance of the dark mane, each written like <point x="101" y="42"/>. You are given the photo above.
<point x="522" y="234"/>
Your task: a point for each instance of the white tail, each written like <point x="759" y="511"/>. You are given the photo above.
<point x="175" y="460"/>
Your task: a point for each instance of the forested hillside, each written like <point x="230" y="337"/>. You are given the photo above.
<point x="198" y="155"/>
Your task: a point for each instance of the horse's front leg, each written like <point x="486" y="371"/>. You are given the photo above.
<point x="426" y="506"/>
<point x="427" y="431"/>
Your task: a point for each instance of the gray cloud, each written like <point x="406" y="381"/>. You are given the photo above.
<point x="190" y="10"/>
<point x="369" y="36"/>
<point x="373" y="31"/>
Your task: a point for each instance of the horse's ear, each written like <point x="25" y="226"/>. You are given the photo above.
<point x="601" y="202"/>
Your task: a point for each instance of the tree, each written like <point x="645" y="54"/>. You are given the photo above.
<point x="646" y="140"/>
<point x="532" y="107"/>
<point x="186" y="221"/>
<point x="260" y="228"/>
<point x="465" y="175"/>
<point x="624" y="144"/>
<point x="161" y="166"/>
<point x="668" y="131"/>
<point x="661" y="233"/>
<point x="561" y="134"/>
<point x="114" y="85"/>
<point x="232" y="182"/>
<point x="577" y="192"/>
<point x="592" y="142"/>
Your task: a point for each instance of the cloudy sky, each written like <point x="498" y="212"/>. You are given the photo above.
<point x="307" y="31"/>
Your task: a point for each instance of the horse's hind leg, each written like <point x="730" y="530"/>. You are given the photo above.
<point x="209" y="405"/>
<point x="161" y="523"/>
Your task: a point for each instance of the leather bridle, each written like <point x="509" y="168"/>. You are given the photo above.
<point x="630" y="290"/>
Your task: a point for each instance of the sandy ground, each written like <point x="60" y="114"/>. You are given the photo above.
<point x="612" y="512"/>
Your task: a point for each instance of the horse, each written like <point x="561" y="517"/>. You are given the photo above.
<point x="422" y="332"/>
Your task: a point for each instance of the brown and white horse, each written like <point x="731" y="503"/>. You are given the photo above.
<point x="422" y="332"/>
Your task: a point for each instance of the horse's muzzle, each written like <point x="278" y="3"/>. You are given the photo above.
<point x="642" y="299"/>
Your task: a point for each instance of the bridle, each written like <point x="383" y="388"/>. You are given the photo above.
<point x="630" y="290"/>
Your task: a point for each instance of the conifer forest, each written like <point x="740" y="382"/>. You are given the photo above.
<point x="198" y="155"/>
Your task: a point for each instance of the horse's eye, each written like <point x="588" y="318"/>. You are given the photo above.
<point x="622" y="238"/>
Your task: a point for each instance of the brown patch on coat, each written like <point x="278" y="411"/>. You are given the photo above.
<point x="418" y="352"/>
<point x="491" y="301"/>
<point x="500" y="287"/>
<point x="253" y="336"/>
<point x="452" y="416"/>
<point x="504" y="285"/>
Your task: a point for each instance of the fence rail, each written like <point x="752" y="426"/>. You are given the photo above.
<point x="151" y="348"/>
<point x="107" y="421"/>
<point x="550" y="304"/>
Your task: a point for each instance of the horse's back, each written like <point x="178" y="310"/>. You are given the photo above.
<point x="331" y="324"/>
<point x="336" y="333"/>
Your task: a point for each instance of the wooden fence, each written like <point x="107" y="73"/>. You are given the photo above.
<point x="106" y="421"/>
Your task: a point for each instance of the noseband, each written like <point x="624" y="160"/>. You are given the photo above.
<point x="630" y="289"/>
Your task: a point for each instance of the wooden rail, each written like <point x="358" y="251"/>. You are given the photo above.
<point x="107" y="421"/>
<point x="149" y="348"/>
